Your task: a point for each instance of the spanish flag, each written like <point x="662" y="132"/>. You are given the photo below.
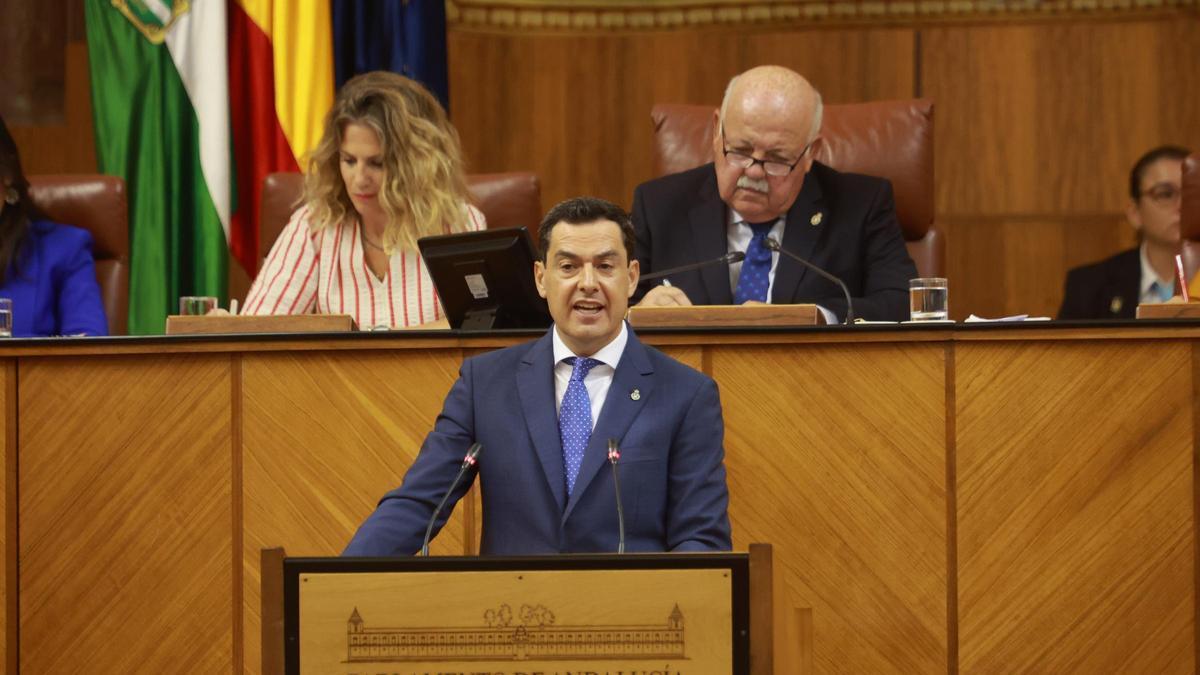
<point x="280" y="87"/>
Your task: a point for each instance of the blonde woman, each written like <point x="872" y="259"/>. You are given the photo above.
<point x="388" y="170"/>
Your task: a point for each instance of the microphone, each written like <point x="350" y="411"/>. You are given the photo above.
<point x="729" y="259"/>
<point x="774" y="246"/>
<point x="469" y="461"/>
<point x="614" y="454"/>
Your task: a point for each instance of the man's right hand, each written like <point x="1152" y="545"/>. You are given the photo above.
<point x="664" y="296"/>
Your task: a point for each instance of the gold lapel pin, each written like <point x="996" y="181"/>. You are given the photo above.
<point x="1115" y="305"/>
<point x="816" y="219"/>
<point x="635" y="395"/>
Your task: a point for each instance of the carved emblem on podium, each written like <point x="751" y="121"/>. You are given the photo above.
<point x="534" y="635"/>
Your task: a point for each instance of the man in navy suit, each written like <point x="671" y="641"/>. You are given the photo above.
<point x="763" y="182"/>
<point x="544" y="412"/>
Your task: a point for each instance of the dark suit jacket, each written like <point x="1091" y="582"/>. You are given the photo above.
<point x="681" y="219"/>
<point x="671" y="470"/>
<point x="1108" y="289"/>
<point x="54" y="289"/>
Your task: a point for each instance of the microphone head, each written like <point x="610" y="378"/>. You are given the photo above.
<point x="473" y="453"/>
<point x="771" y="244"/>
<point x="735" y="257"/>
<point x="614" y="453"/>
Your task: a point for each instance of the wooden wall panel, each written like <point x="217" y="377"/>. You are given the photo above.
<point x="1037" y="126"/>
<point x="576" y="108"/>
<point x="125" y="521"/>
<point x="324" y="437"/>
<point x="1028" y="259"/>
<point x="64" y="143"/>
<point x="835" y="457"/>
<point x="1075" y="521"/>
<point x="1049" y="117"/>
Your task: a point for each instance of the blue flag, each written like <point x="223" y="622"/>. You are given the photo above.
<point x="404" y="37"/>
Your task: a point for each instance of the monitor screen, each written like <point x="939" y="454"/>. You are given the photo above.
<point x="485" y="279"/>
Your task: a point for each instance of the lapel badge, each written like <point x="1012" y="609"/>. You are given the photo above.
<point x="816" y="219"/>
<point x="1115" y="305"/>
<point x="635" y="395"/>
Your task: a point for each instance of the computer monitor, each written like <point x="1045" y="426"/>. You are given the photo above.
<point x="485" y="279"/>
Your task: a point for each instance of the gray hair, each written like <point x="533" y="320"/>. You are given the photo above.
<point x="818" y="107"/>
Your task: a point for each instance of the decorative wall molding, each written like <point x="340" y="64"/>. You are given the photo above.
<point x="625" y="15"/>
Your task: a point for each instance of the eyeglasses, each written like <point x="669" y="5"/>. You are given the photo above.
<point x="1164" y="194"/>
<point x="771" y="167"/>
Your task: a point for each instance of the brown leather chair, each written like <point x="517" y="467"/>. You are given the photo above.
<point x="97" y="203"/>
<point x="506" y="199"/>
<point x="889" y="139"/>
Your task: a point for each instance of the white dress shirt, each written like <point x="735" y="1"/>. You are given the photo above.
<point x="1145" y="294"/>
<point x="598" y="380"/>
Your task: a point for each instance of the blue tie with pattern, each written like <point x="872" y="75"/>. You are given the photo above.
<point x="755" y="277"/>
<point x="575" y="418"/>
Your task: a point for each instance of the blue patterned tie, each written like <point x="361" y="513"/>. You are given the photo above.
<point x="575" y="418"/>
<point x="755" y="277"/>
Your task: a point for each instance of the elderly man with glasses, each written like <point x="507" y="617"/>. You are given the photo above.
<point x="1113" y="288"/>
<point x="764" y="184"/>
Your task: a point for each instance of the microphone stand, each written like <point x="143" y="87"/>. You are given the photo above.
<point x="614" y="454"/>
<point x="469" y="461"/>
<point x="729" y="259"/>
<point x="773" y="245"/>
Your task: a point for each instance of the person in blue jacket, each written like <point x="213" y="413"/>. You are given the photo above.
<point x="46" y="268"/>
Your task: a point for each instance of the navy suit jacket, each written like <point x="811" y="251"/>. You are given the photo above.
<point x="680" y="219"/>
<point x="665" y="416"/>
<point x="1108" y="289"/>
<point x="54" y="289"/>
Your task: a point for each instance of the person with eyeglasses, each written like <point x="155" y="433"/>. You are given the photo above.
<point x="1113" y="288"/>
<point x="764" y="183"/>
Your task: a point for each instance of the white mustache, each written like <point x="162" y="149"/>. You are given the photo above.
<point x="748" y="183"/>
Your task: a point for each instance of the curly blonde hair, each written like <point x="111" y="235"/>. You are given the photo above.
<point x="424" y="191"/>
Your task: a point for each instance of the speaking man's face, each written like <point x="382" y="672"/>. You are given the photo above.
<point x="587" y="280"/>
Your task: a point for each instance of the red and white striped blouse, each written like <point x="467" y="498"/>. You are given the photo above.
<point x="326" y="272"/>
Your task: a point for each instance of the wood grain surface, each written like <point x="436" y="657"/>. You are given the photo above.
<point x="1066" y="543"/>
<point x="125" y="537"/>
<point x="325" y="436"/>
<point x="1048" y="118"/>
<point x="835" y="457"/>
<point x="1076" y="538"/>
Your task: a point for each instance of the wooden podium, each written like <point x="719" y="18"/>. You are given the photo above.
<point x="693" y="614"/>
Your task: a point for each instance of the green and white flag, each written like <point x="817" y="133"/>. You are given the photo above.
<point x="160" y="93"/>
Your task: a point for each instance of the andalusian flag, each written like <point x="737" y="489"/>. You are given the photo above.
<point x="280" y="87"/>
<point x="161" y="102"/>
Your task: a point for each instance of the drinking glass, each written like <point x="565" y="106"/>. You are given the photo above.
<point x="197" y="305"/>
<point x="928" y="299"/>
<point x="5" y="317"/>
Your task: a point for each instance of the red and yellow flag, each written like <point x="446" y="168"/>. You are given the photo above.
<point x="280" y="87"/>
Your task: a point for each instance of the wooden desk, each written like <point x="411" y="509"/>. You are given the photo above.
<point x="972" y="498"/>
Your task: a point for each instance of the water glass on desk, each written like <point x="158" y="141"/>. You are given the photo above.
<point x="6" y="317"/>
<point x="196" y="305"/>
<point x="928" y="299"/>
